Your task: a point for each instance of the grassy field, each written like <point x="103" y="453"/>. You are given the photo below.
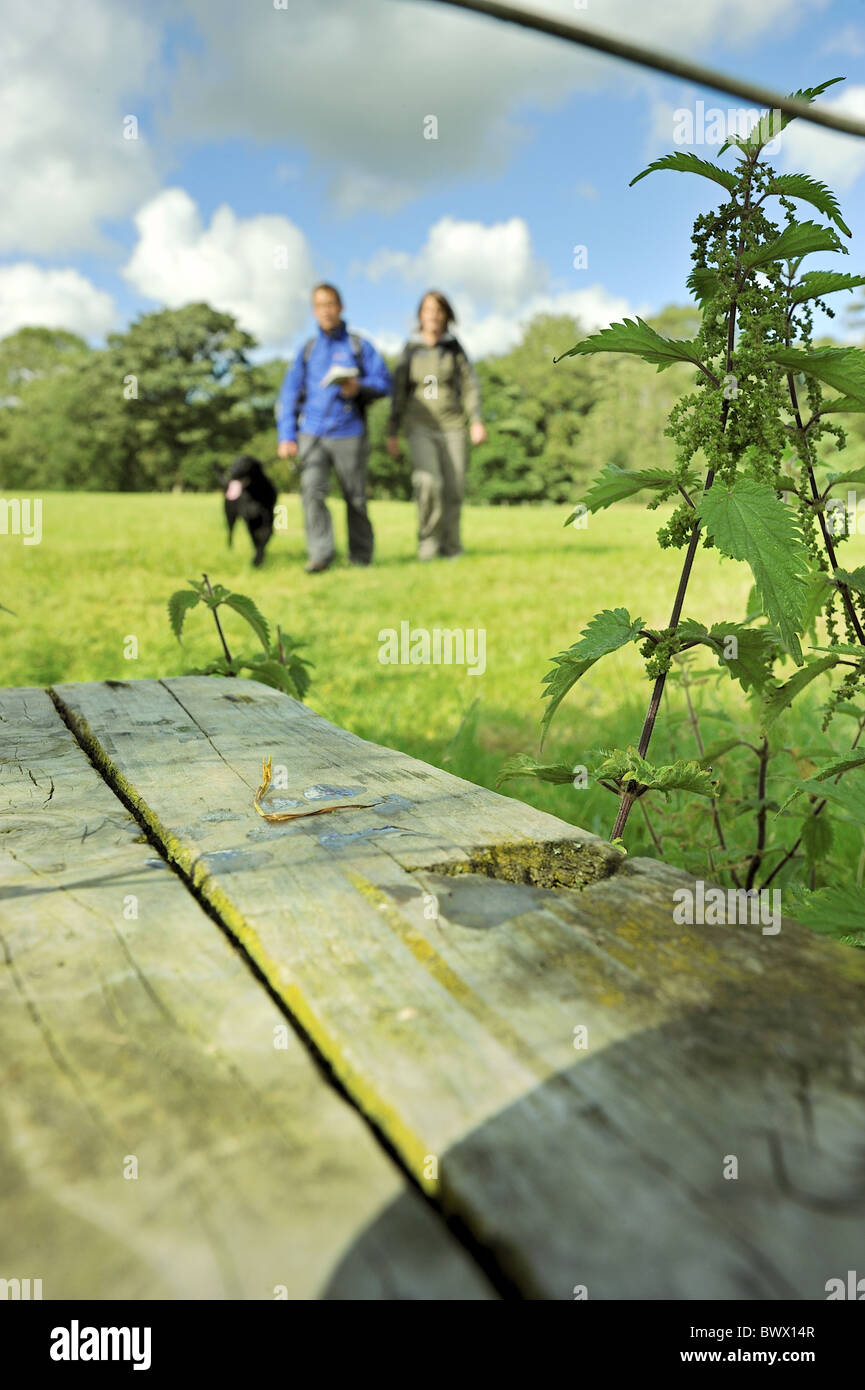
<point x="107" y="564"/>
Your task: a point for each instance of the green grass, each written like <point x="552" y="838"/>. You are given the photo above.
<point x="108" y="562"/>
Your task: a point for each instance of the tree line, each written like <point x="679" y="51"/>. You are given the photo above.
<point x="169" y="402"/>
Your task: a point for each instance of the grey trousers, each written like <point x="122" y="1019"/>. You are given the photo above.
<point x="349" y="458"/>
<point x="438" y="461"/>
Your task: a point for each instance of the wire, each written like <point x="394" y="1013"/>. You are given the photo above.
<point x="661" y="62"/>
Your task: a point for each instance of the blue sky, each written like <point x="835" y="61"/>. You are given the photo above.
<point x="282" y="143"/>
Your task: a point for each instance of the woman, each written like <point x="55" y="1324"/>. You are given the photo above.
<point x="435" y="395"/>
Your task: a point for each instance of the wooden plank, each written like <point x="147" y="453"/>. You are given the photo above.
<point x="147" y="1036"/>
<point x="603" y="1166"/>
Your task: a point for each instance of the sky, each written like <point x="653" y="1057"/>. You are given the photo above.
<point x="156" y="154"/>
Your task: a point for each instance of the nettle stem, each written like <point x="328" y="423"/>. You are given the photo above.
<point x="757" y="856"/>
<point x="628" y="798"/>
<point x="846" y="596"/>
<point x="695" y="726"/>
<point x="818" y="808"/>
<point x="219" y="626"/>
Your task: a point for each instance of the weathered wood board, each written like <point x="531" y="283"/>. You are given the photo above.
<point x="705" y="1142"/>
<point x="133" y="1035"/>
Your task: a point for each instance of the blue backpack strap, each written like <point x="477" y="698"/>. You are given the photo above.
<point x="301" y="397"/>
<point x="356" y="342"/>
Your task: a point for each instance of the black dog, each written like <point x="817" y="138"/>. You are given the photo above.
<point x="250" y="496"/>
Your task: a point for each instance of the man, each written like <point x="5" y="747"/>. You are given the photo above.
<point x="332" y="427"/>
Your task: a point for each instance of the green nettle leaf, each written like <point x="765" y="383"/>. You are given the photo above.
<point x="842" y="368"/>
<point x="690" y="164"/>
<point x="837" y="911"/>
<point x="636" y="337"/>
<point x="749" y="522"/>
<point x="855" y="475"/>
<point x="634" y="774"/>
<point x="784" y="695"/>
<point x="615" y="483"/>
<point x="847" y="403"/>
<point x="745" y="652"/>
<point x="818" y="283"/>
<point x="290" y="660"/>
<point x="844" y="649"/>
<point x="854" y="579"/>
<point x="524" y="766"/>
<point x="837" y="766"/>
<point x="713" y="751"/>
<point x="218" y="667"/>
<point x="219" y="595"/>
<point x="819" y="589"/>
<point x="797" y="240"/>
<point x="703" y="284"/>
<point x="756" y="649"/>
<point x="178" y="606"/>
<point x="848" y="793"/>
<point x="810" y="191"/>
<point x="606" y="632"/>
<point x="272" y="673"/>
<point x="761" y="133"/>
<point x="247" y="609"/>
<point x="803" y="94"/>
<point x="816" y="832"/>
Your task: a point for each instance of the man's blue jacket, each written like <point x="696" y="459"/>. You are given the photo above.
<point x="325" y="411"/>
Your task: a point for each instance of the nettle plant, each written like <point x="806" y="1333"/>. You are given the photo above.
<point x="749" y="482"/>
<point x="277" y="664"/>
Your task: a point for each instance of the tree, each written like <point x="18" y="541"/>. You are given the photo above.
<point x="188" y="387"/>
<point x="30" y="353"/>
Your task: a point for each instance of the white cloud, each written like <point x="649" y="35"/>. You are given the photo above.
<point x="353" y="80"/>
<point x="68" y="77"/>
<point x="494" y="281"/>
<point x="33" y="297"/>
<point x="850" y="41"/>
<point x="587" y="190"/>
<point x="493" y="263"/>
<point x="348" y="82"/>
<point x="354" y="190"/>
<point x="494" y="332"/>
<point x="257" y="268"/>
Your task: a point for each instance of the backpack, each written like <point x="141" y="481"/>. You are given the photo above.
<point x="451" y="344"/>
<point x="356" y="344"/>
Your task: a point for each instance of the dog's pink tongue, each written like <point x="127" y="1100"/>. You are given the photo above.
<point x="234" y="490"/>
